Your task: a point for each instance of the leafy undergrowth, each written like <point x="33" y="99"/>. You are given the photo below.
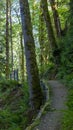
<point x="49" y="72"/>
<point x="67" y="121"/>
<point x="13" y="105"/>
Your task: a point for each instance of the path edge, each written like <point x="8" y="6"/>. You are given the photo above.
<point x="37" y="119"/>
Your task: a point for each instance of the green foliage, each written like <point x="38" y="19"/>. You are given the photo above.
<point x="66" y="57"/>
<point x="66" y="74"/>
<point x="49" y="71"/>
<point x="13" y="105"/>
<point x="13" y="96"/>
<point x="2" y="61"/>
<point x="67" y="122"/>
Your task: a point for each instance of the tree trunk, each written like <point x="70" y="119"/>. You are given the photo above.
<point x="11" y="37"/>
<point x="56" y="17"/>
<point x="22" y="57"/>
<point x="31" y="65"/>
<point x="41" y="36"/>
<point x="71" y="13"/>
<point x="47" y="18"/>
<point x="7" y="40"/>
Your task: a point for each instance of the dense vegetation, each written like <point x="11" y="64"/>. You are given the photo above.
<point x="36" y="42"/>
<point x="13" y="105"/>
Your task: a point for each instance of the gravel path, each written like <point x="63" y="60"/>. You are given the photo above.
<point x="51" y="121"/>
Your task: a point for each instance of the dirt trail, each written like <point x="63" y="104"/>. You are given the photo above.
<point x="51" y="121"/>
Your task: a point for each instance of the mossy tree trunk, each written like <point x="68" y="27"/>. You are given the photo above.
<point x="51" y="37"/>
<point x="7" y="39"/>
<point x="43" y="41"/>
<point x="47" y="18"/>
<point x="11" y="41"/>
<point x="41" y="37"/>
<point x="31" y="65"/>
<point x="56" y="17"/>
<point x="22" y="57"/>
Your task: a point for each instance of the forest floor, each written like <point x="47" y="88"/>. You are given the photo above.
<point x="52" y="119"/>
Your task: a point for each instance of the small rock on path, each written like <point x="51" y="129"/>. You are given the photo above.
<point x="52" y="120"/>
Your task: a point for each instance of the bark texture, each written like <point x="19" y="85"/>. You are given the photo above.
<point x="7" y="39"/>
<point x="22" y="57"/>
<point x="41" y="36"/>
<point x="31" y="65"/>
<point x="47" y="18"/>
<point x="56" y="17"/>
<point x="11" y="41"/>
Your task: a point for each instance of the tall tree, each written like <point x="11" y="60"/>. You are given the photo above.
<point x="31" y="65"/>
<point x="41" y="36"/>
<point x="43" y="41"/>
<point x="71" y="12"/>
<point x="22" y="57"/>
<point x="10" y="11"/>
<point x="56" y="17"/>
<point x="7" y="39"/>
<point x="47" y="18"/>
